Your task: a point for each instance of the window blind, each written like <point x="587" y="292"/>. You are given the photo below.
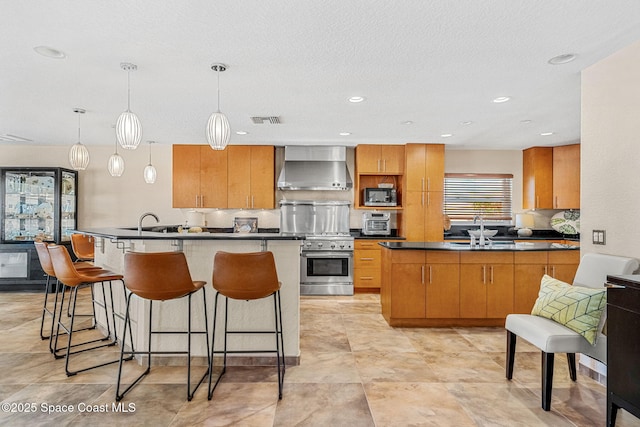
<point x="468" y="195"/>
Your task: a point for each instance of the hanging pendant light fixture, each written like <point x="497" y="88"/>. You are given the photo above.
<point x="218" y="130"/>
<point x="116" y="163"/>
<point x="128" y="126"/>
<point x="79" y="155"/>
<point x="150" y="173"/>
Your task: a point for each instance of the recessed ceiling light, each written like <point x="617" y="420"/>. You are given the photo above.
<point x="408" y="122"/>
<point x="562" y="59"/>
<point x="546" y="133"/>
<point x="356" y="99"/>
<point x="525" y="122"/>
<point x="466" y="123"/>
<point x="50" y="52"/>
<point x="446" y="135"/>
<point x="241" y="132"/>
<point x="345" y="133"/>
<point x="501" y="99"/>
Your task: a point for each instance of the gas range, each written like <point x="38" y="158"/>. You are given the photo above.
<point x="328" y="242"/>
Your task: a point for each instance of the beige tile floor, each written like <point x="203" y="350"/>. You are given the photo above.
<point x="354" y="370"/>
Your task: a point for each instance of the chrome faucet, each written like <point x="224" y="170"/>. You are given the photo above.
<point x="475" y="218"/>
<point x="143" y="216"/>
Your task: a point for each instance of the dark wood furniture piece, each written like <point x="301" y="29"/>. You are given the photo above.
<point x="623" y="346"/>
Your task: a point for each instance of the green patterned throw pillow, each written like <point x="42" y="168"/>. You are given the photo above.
<point x="577" y="307"/>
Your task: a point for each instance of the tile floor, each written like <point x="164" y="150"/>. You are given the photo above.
<point x="355" y="370"/>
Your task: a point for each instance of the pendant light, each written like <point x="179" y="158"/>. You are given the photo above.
<point x="128" y="126"/>
<point x="116" y="163"/>
<point x="150" y="173"/>
<point x="218" y="131"/>
<point x="79" y="155"/>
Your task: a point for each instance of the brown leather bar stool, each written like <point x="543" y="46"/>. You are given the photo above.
<point x="247" y="276"/>
<point x="68" y="275"/>
<point x="47" y="267"/>
<point x="161" y="276"/>
<point x="82" y="246"/>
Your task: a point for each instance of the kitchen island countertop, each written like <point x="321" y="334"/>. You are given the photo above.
<point x="493" y="247"/>
<point x="124" y="233"/>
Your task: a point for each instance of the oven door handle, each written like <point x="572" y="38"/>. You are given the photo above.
<point x="327" y="255"/>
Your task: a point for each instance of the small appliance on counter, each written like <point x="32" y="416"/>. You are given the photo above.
<point x="380" y="196"/>
<point x="376" y="224"/>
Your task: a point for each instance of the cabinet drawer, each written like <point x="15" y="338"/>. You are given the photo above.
<point x="443" y="257"/>
<point x="366" y="278"/>
<point x="367" y="258"/>
<point x="367" y="244"/>
<point x="408" y="257"/>
<point x="564" y="257"/>
<point x="530" y="257"/>
<point x="486" y="258"/>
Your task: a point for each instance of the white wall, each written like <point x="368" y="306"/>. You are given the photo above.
<point x="610" y="153"/>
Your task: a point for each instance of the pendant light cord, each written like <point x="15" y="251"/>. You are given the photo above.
<point x="218" y="88"/>
<point x="128" y="90"/>
<point x="79" y="126"/>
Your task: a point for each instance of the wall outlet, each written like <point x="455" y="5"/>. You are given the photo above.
<point x="599" y="237"/>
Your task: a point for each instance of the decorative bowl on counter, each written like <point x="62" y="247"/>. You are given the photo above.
<point x="487" y="233"/>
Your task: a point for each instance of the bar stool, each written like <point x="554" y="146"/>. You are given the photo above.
<point x="161" y="276"/>
<point x="82" y="246"/>
<point x="247" y="276"/>
<point x="47" y="267"/>
<point x="68" y="275"/>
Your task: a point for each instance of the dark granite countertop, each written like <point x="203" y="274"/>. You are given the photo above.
<point x="167" y="233"/>
<point x="494" y="247"/>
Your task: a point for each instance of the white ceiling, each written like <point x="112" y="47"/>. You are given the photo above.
<point x="435" y="63"/>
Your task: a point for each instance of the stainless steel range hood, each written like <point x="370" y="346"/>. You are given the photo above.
<point x="315" y="168"/>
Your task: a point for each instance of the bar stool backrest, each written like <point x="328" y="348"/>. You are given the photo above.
<point x="45" y="258"/>
<point x="245" y="276"/>
<point x="63" y="266"/>
<point x="82" y="246"/>
<point x="158" y="276"/>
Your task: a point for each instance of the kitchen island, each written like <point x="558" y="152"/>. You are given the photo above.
<point x="456" y="284"/>
<point x="112" y="243"/>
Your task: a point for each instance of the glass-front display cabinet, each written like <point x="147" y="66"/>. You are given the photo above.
<point x="37" y="204"/>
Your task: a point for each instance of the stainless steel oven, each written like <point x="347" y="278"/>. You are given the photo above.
<point x="326" y="266"/>
<point x="326" y="258"/>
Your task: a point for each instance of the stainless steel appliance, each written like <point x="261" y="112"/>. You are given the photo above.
<point x="315" y="168"/>
<point x="380" y="197"/>
<point x="326" y="258"/>
<point x="376" y="223"/>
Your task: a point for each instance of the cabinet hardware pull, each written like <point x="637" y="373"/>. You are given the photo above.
<point x="202" y="201"/>
<point x="553" y="270"/>
<point x="491" y="269"/>
<point x="428" y="199"/>
<point x="545" y="269"/>
<point x="428" y="184"/>
<point x="197" y="201"/>
<point x="366" y="278"/>
<point x="252" y="204"/>
<point x="430" y="276"/>
<point x="422" y="273"/>
<point x="366" y="259"/>
<point x="379" y="165"/>
<point x="484" y="274"/>
<point x="421" y="184"/>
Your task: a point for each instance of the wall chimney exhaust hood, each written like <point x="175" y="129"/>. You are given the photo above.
<point x="315" y="168"/>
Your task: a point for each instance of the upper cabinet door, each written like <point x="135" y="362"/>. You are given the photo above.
<point x="392" y="159"/>
<point x="368" y="159"/>
<point x="239" y="175"/>
<point x="537" y="178"/>
<point x="566" y="177"/>
<point x="380" y="159"/>
<point x="424" y="169"/>
<point x="263" y="177"/>
<point x="213" y="178"/>
<point x="186" y="176"/>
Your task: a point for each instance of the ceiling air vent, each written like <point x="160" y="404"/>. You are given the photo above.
<point x="259" y="120"/>
<point x="7" y="137"/>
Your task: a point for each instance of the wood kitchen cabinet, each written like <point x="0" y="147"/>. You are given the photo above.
<point x="251" y="177"/>
<point x="367" y="265"/>
<point x="487" y="290"/>
<point x="537" y="178"/>
<point x="380" y="159"/>
<point x="376" y="164"/>
<point x="531" y="266"/>
<point x="551" y="177"/>
<point x="566" y="177"/>
<point x="421" y="219"/>
<point x="430" y="288"/>
<point x="199" y="177"/>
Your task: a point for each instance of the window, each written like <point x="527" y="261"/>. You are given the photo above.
<point x="467" y="195"/>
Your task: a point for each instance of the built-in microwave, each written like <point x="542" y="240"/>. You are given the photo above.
<point x="380" y="197"/>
